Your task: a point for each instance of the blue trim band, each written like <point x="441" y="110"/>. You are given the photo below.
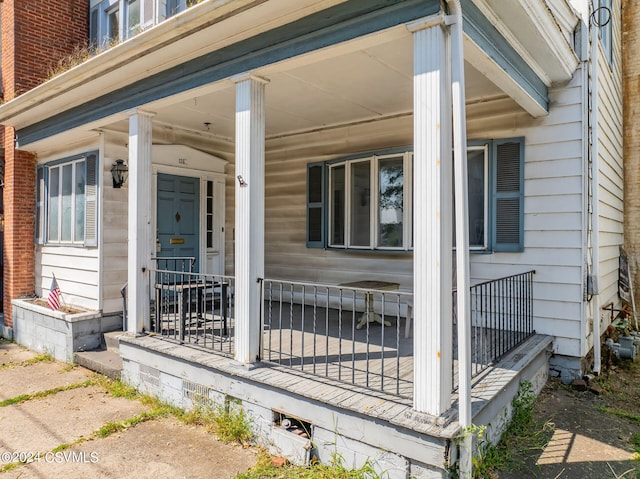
<point x="489" y="39"/>
<point x="337" y="24"/>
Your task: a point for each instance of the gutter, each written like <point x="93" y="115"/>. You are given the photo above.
<point x="595" y="184"/>
<point x="462" y="236"/>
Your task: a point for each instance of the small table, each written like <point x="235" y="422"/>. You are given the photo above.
<point x="369" y="316"/>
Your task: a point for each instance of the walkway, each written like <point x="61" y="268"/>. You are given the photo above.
<point x="69" y="424"/>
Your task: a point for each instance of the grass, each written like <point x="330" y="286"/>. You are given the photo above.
<point x="621" y="414"/>
<point x="266" y="469"/>
<point x="228" y="421"/>
<point x="40" y="358"/>
<point x="42" y="394"/>
<point x="523" y="433"/>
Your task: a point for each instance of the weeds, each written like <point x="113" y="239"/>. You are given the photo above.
<point x="266" y="469"/>
<point x="229" y="423"/>
<point x="40" y="358"/>
<point x="523" y="433"/>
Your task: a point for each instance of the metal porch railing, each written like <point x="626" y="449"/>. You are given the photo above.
<point x="193" y="308"/>
<point x="336" y="332"/>
<point x="501" y="318"/>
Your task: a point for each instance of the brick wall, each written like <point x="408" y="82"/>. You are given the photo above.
<point x="36" y="34"/>
<point x="631" y="146"/>
<point x="19" y="213"/>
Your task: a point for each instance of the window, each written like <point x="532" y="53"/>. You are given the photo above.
<point x="113" y="25"/>
<point x="177" y="6"/>
<point x="104" y="23"/>
<point x="139" y="16"/>
<point x="133" y="17"/>
<point x="366" y="202"/>
<point x="478" y="195"/>
<point x="605" y="23"/>
<point x="66" y="201"/>
<point x="210" y="213"/>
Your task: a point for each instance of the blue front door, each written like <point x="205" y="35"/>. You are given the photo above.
<point x="179" y="217"/>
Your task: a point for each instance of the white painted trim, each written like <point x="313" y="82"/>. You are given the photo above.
<point x="595" y="207"/>
<point x="478" y="58"/>
<point x="100" y="213"/>
<point x="544" y="21"/>
<point x="512" y="40"/>
<point x="202" y="176"/>
<point x="548" y="28"/>
<point x="426" y="22"/>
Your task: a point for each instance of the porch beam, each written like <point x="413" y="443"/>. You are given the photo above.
<point x="432" y="256"/>
<point x="249" y="220"/>
<point x="139" y="239"/>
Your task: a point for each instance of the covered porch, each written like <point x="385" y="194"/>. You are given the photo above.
<point x="328" y="132"/>
<point x="351" y="335"/>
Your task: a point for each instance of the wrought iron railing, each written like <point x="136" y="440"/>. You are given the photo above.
<point x="193" y="308"/>
<point x="501" y="318"/>
<point x="336" y="332"/>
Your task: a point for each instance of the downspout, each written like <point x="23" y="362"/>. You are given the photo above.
<point x="595" y="185"/>
<point x="462" y="235"/>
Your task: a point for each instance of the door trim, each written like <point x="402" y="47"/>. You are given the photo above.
<point x="203" y="177"/>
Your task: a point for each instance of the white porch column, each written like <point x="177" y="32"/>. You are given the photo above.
<point x="249" y="235"/>
<point x="432" y="189"/>
<point x="139" y="249"/>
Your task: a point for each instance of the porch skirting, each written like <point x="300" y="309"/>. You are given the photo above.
<point x="357" y="423"/>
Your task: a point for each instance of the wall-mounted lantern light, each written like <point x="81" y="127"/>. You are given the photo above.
<point x="120" y="172"/>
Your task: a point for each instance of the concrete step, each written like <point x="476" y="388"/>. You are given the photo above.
<point x="111" y="341"/>
<point x="102" y="361"/>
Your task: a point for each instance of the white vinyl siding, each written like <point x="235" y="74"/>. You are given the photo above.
<point x="72" y="256"/>
<point x="610" y="153"/>
<point x="553" y="218"/>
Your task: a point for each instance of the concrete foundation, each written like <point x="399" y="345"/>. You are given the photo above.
<point x="399" y="444"/>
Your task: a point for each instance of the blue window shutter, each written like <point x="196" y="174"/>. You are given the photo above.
<point x="315" y="205"/>
<point x="508" y="194"/>
<point x="91" y="201"/>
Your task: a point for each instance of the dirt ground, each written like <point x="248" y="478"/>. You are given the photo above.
<point x="589" y="435"/>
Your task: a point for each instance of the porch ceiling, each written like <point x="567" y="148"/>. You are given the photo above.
<point x="350" y="84"/>
<point x="369" y="83"/>
<point x="366" y="78"/>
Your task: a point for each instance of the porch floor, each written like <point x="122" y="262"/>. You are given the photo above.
<point x="325" y="342"/>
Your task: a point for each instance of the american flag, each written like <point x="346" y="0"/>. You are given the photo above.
<point x="53" y="300"/>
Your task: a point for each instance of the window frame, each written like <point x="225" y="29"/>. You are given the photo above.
<point x="486" y="147"/>
<point x="89" y="164"/>
<point x="374" y="202"/>
<point x="492" y="149"/>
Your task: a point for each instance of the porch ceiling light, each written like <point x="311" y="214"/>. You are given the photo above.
<point x="120" y="172"/>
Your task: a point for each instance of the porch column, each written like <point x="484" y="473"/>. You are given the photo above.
<point x="432" y="189"/>
<point x="249" y="220"/>
<point x="139" y="249"/>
